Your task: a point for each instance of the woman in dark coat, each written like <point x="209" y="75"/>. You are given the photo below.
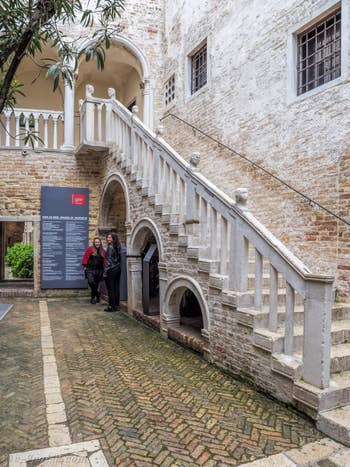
<point x="112" y="271"/>
<point x="93" y="263"/>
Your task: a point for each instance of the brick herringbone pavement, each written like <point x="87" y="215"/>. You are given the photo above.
<point x="151" y="402"/>
<point x="22" y="403"/>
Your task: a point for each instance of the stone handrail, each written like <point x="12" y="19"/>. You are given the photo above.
<point x="45" y="125"/>
<point x="221" y="233"/>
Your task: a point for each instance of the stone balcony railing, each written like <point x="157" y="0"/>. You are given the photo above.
<point x="46" y="127"/>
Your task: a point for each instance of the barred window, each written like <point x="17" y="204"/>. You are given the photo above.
<point x="199" y="69"/>
<point x="170" y="90"/>
<point x="319" y="53"/>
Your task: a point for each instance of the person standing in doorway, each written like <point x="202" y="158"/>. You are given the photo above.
<point x="94" y="263"/>
<point x="112" y="271"/>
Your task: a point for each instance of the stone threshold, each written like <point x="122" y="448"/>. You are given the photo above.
<point x="85" y="454"/>
<point x="325" y="452"/>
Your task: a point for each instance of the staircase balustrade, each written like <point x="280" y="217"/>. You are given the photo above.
<point x="46" y="126"/>
<point x="218" y="231"/>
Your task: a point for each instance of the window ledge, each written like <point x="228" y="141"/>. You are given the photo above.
<point x="200" y="91"/>
<point x="293" y="99"/>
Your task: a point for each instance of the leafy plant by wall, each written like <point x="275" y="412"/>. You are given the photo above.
<point x="20" y="258"/>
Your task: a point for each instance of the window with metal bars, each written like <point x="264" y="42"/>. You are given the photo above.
<point x="319" y="53"/>
<point x="199" y="69"/>
<point x="170" y="90"/>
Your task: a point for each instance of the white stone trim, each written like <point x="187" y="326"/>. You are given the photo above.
<point x="146" y="73"/>
<point x="142" y="224"/>
<point x="293" y="31"/>
<point x="91" y="448"/>
<point x="172" y="299"/>
<point x="55" y="409"/>
<point x="116" y="177"/>
<point x="188" y="66"/>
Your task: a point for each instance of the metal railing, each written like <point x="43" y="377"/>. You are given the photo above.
<point x="311" y="201"/>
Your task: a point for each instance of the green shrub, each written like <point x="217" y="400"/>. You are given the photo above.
<point x="20" y="258"/>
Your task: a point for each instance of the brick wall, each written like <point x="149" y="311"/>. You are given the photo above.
<point x="246" y="106"/>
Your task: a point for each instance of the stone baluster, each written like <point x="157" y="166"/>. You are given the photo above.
<point x="7" y="126"/>
<point x="213" y="229"/>
<point x="110" y="116"/>
<point x="223" y="245"/>
<point x="36" y="129"/>
<point x="156" y="171"/>
<point x="144" y="162"/>
<point x="54" y="129"/>
<point x="289" y="320"/>
<point x="26" y="122"/>
<point x="99" y="122"/>
<point x="258" y="280"/>
<point x="191" y="207"/>
<point x="203" y="222"/>
<point x="17" y="135"/>
<point x="89" y="114"/>
<point x="238" y="258"/>
<point x="173" y="191"/>
<point x="182" y="200"/>
<point x="273" y="299"/>
<point x="317" y="333"/>
<point x="46" y="131"/>
<point x="151" y="158"/>
<point x="166" y="180"/>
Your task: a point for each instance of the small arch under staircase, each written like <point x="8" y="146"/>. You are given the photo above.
<point x="289" y="314"/>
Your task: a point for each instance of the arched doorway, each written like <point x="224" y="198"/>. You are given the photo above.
<point x="114" y="207"/>
<point x="186" y="314"/>
<point x="144" y="253"/>
<point x="114" y="215"/>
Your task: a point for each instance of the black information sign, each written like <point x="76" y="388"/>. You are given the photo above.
<point x="64" y="236"/>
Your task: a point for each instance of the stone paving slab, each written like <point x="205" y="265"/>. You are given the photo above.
<point x="151" y="402"/>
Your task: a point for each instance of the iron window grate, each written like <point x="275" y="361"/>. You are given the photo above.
<point x="319" y="53"/>
<point x="199" y="69"/>
<point x="170" y="90"/>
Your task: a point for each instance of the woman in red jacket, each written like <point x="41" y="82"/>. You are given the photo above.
<point x="94" y="262"/>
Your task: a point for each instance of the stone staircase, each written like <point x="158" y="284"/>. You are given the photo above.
<point x="258" y="285"/>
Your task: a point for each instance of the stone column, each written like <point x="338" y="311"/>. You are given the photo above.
<point x="134" y="285"/>
<point x="163" y="282"/>
<point x="69" y="93"/>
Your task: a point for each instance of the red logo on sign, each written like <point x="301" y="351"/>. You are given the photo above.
<point x="78" y="199"/>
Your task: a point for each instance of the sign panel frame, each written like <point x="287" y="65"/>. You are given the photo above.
<point x="64" y="236"/>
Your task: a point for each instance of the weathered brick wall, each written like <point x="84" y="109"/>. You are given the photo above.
<point x="21" y="178"/>
<point x="246" y="106"/>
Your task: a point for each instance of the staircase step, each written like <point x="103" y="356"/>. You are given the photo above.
<point x="340" y="311"/>
<point x="312" y="399"/>
<point x="336" y="424"/>
<point x="274" y="341"/>
<point x="340" y="358"/>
